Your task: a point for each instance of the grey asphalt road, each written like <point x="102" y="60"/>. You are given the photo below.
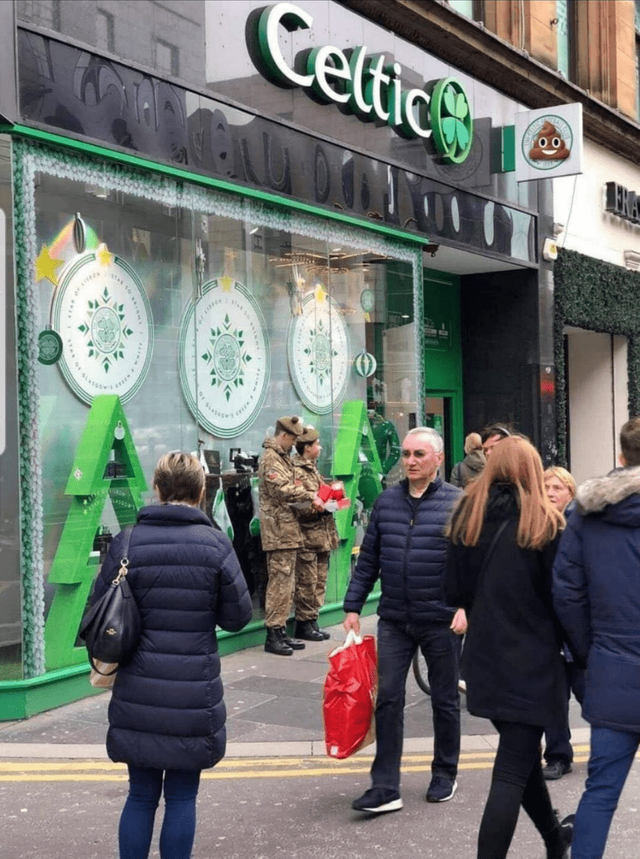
<point x="263" y="808"/>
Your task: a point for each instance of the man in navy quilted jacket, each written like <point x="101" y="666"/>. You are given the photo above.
<point x="405" y="546"/>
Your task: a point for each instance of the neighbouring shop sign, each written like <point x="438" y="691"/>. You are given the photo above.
<point x="549" y="142"/>
<point x="367" y="85"/>
<point x="224" y="358"/>
<point x="623" y="203"/>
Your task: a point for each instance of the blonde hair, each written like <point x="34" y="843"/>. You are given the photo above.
<point x="179" y="476"/>
<point x="472" y="442"/>
<point x="563" y="476"/>
<point x="514" y="461"/>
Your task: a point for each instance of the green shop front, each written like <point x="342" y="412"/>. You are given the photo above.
<point x="183" y="269"/>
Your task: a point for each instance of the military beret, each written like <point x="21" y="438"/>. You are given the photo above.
<point x="308" y="436"/>
<point x="292" y="425"/>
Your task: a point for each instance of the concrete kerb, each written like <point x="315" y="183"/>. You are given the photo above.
<point x="304" y="749"/>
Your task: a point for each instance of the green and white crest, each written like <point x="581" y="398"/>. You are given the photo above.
<point x="224" y="358"/>
<point x="102" y="314"/>
<point x="318" y="353"/>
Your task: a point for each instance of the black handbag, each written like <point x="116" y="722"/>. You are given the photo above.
<point x="111" y="627"/>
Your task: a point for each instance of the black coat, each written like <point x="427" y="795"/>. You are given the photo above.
<point x="511" y="658"/>
<point x="166" y="710"/>
<point x="407" y="551"/>
<point x="596" y="591"/>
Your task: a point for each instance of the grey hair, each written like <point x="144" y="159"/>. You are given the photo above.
<point x="435" y="439"/>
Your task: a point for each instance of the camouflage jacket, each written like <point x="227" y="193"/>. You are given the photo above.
<point x="279" y="525"/>
<point x="318" y="529"/>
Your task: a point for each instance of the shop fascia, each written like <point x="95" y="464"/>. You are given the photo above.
<point x="367" y="86"/>
<point x="623" y="203"/>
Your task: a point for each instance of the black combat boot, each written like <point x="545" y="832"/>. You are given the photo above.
<point x="305" y="630"/>
<point x="275" y="643"/>
<point x="292" y="642"/>
<point x="323" y="632"/>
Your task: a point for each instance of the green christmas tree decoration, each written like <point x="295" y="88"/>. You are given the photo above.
<point x="106" y="465"/>
<point x="354" y="455"/>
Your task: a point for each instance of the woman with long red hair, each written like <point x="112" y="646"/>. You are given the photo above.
<point x="503" y="538"/>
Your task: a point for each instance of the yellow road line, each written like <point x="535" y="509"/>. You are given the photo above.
<point x="99" y="773"/>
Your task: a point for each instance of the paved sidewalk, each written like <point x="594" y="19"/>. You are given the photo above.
<point x="274" y="708"/>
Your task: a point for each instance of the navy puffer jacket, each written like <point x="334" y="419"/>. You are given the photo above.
<point x="407" y="551"/>
<point x="166" y="710"/>
<point x="596" y="593"/>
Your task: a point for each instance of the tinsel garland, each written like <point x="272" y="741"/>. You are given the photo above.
<point x="32" y="158"/>
<point x="597" y="296"/>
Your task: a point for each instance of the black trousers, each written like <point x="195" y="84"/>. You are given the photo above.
<point x="517" y="780"/>
<point x="558" y="737"/>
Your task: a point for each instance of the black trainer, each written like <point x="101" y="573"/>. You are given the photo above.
<point x="293" y="643"/>
<point x="441" y="789"/>
<point x="275" y="643"/>
<point x="323" y="632"/>
<point x="305" y="630"/>
<point x="377" y="800"/>
<point x="556" y="769"/>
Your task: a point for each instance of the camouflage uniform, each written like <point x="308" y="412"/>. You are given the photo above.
<point x="279" y="528"/>
<point x="319" y="536"/>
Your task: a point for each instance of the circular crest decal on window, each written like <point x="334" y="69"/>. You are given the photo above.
<point x="102" y="314"/>
<point x="224" y="358"/>
<point x="318" y="353"/>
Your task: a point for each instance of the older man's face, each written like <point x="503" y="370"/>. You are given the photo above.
<point x="419" y="459"/>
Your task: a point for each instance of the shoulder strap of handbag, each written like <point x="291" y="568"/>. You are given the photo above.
<point x="124" y="560"/>
<point x="490" y="551"/>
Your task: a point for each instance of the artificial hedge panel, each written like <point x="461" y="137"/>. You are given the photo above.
<point x="600" y="297"/>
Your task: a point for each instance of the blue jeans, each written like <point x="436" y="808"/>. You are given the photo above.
<point x="179" y="824"/>
<point x="397" y="644"/>
<point x="612" y="754"/>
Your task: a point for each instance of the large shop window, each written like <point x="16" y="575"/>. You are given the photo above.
<point x="208" y="316"/>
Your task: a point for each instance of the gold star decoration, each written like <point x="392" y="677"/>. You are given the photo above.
<point x="46" y="266"/>
<point x="104" y="256"/>
<point x="319" y="293"/>
<point x="226" y="283"/>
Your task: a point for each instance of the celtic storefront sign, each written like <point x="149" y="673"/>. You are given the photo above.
<point x="364" y="84"/>
<point x="224" y="358"/>
<point x="318" y="352"/>
<point x="102" y="314"/>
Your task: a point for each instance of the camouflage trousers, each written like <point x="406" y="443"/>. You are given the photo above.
<point x="310" y="583"/>
<point x="281" y="570"/>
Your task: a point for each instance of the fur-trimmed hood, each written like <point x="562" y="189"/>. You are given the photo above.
<point x="616" y="496"/>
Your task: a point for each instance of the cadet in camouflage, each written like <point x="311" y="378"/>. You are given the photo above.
<point x="319" y="536"/>
<point x="280" y="530"/>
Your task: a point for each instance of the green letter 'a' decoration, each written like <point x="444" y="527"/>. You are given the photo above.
<point x="106" y="465"/>
<point x="361" y="478"/>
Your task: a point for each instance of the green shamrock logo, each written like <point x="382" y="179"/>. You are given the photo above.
<point x="451" y="120"/>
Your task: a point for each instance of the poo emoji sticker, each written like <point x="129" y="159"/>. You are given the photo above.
<point x="549" y="142"/>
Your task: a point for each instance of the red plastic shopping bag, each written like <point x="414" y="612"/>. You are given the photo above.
<point x="349" y="696"/>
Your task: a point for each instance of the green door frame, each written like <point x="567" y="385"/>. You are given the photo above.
<point x="454" y="432"/>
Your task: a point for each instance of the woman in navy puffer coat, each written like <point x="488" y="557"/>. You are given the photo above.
<point x="167" y="714"/>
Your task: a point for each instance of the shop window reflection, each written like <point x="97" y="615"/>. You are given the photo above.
<point x="248" y="322"/>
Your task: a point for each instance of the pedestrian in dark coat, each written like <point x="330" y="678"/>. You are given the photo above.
<point x="596" y="591"/>
<point x="405" y="547"/>
<point x="167" y="714"/>
<point x="472" y="464"/>
<point x="498" y="569"/>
